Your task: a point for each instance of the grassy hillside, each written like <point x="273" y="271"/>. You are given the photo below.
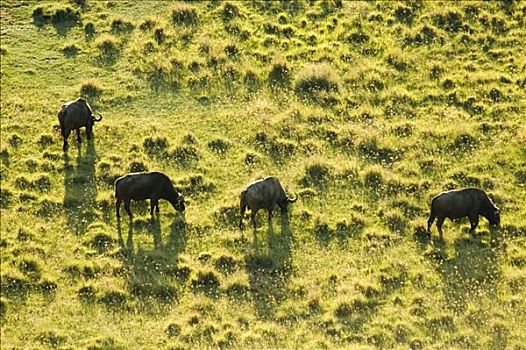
<point x="365" y="110"/>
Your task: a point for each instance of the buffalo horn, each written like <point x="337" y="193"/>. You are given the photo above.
<point x="95" y="119"/>
<point x="292" y="200"/>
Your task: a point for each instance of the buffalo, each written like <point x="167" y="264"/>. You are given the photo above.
<point x="265" y="193"/>
<point x="455" y="204"/>
<point x="74" y="115"/>
<point x="141" y="186"/>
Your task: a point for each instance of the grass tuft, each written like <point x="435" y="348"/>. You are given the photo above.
<point x="184" y="14"/>
<point x="314" y="78"/>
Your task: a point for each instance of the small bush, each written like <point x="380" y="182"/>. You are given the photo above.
<point x="404" y="15"/>
<point x="121" y="25"/>
<point x="55" y="14"/>
<point x="219" y="146"/>
<point x="90" y="89"/>
<point x="137" y="166"/>
<point x="226" y="264"/>
<point x="113" y="298"/>
<point x="183" y="14"/>
<point x="107" y="45"/>
<point x="207" y="282"/>
<point x="51" y="339"/>
<point x="3" y="307"/>
<point x="45" y="140"/>
<point x="251" y="159"/>
<point x="15" y="140"/>
<point x="173" y="330"/>
<point x="229" y="11"/>
<point x="237" y="290"/>
<point x="162" y="292"/>
<point x="70" y="49"/>
<point x="185" y="155"/>
<point x="6" y="196"/>
<point x="147" y="24"/>
<point x="450" y="21"/>
<point x="155" y="145"/>
<point x="89" y="29"/>
<point x="316" y="174"/>
<point x="280" y="72"/>
<point x="373" y="179"/>
<point x="316" y="77"/>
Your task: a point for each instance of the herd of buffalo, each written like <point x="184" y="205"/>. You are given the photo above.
<point x="262" y="194"/>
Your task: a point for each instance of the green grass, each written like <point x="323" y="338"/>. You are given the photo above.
<point x="364" y="110"/>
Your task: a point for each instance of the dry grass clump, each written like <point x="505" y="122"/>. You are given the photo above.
<point x="314" y="78"/>
<point x="184" y="14"/>
<point x="90" y="89"/>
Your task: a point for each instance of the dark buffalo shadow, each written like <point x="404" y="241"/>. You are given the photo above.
<point x="269" y="268"/>
<point x="153" y="273"/>
<point x="470" y="270"/>
<point x="80" y="188"/>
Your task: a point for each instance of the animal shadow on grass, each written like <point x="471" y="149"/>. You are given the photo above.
<point x="469" y="269"/>
<point x="269" y="268"/>
<point x="152" y="274"/>
<point x="80" y="189"/>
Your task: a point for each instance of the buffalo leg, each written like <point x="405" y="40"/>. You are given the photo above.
<point x="440" y="221"/>
<point x="241" y="215"/>
<point x="474" y="220"/>
<point x="430" y="221"/>
<point x="89" y="132"/>
<point x="154" y="203"/>
<point x="65" y="134"/>
<point x="127" y="207"/>
<point x="270" y="216"/>
<point x="78" y="135"/>
<point x="118" y="207"/>
<point x="253" y="218"/>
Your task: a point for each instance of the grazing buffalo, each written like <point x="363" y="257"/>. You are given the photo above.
<point x="455" y="204"/>
<point x="74" y="115"/>
<point x="141" y="186"/>
<point x="265" y="193"/>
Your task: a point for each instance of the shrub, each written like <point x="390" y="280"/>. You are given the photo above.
<point x="55" y="14"/>
<point x="450" y="21"/>
<point x="45" y="140"/>
<point x="404" y="15"/>
<point x="280" y="72"/>
<point x="316" y="77"/>
<point x="219" y="146"/>
<point x="185" y="155"/>
<point x="15" y="140"/>
<point x="373" y="179"/>
<point x="316" y="174"/>
<point x="147" y="24"/>
<point x="107" y="45"/>
<point x="90" y="89"/>
<point x="226" y="264"/>
<point x="183" y="14"/>
<point x="89" y="29"/>
<point x="229" y="11"/>
<point x="70" y="49"/>
<point x="120" y="25"/>
<point x="113" y="298"/>
<point x="51" y="339"/>
<point x="136" y="166"/>
<point x="237" y="290"/>
<point x="155" y="145"/>
<point x="173" y="330"/>
<point x="207" y="282"/>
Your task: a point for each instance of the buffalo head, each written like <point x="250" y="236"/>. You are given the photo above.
<point x="494" y="217"/>
<point x="178" y="204"/>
